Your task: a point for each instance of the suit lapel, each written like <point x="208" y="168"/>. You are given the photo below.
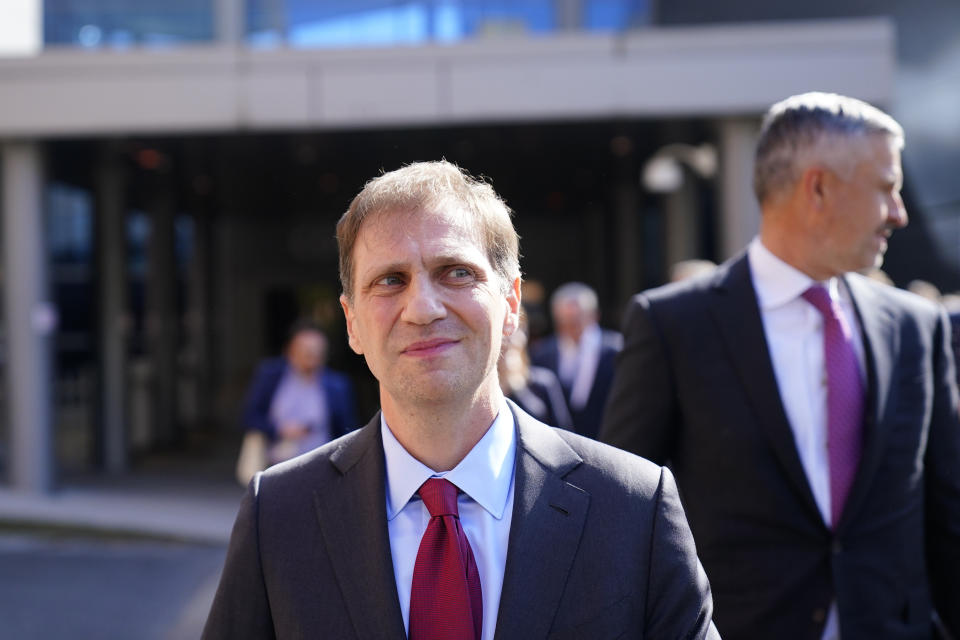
<point x="548" y="518"/>
<point x="738" y="317"/>
<point x="880" y="345"/>
<point x="352" y="517"/>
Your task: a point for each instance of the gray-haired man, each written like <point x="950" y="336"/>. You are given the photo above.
<point x="581" y="354"/>
<point x="810" y="414"/>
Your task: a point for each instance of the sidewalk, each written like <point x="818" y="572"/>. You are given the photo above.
<point x="170" y="501"/>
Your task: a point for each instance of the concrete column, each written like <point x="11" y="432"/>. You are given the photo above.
<point x="739" y="212"/>
<point x="228" y="21"/>
<point x="569" y="14"/>
<point x="30" y="319"/>
<point x="112" y="275"/>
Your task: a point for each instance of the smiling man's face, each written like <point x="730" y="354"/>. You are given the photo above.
<point x="428" y="310"/>
<point x="863" y="208"/>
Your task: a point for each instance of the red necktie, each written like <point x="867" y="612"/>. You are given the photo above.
<point x="445" y="599"/>
<point x="844" y="399"/>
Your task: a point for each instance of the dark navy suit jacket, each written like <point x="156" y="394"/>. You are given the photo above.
<point x="695" y="386"/>
<point x="336" y="387"/>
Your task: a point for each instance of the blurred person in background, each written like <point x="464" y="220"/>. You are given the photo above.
<point x="296" y="401"/>
<point x="580" y="353"/>
<point x="809" y="413"/>
<point x="951" y="302"/>
<point x="535" y="310"/>
<point x="924" y="289"/>
<point x="535" y="389"/>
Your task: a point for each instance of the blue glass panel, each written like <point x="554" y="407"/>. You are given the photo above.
<point x="69" y="224"/>
<point x="305" y="23"/>
<point x="121" y="23"/>
<point x="386" y="26"/>
<point x="615" y="15"/>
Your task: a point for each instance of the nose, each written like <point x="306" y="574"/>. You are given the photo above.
<point x="897" y="213"/>
<point x="423" y="303"/>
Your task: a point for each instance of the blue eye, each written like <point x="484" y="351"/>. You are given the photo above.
<point x="389" y="281"/>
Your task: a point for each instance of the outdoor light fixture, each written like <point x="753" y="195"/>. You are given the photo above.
<point x="663" y="172"/>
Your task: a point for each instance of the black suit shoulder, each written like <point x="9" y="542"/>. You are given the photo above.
<point x="903" y="304"/>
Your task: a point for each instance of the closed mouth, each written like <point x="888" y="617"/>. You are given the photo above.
<point x="429" y="347"/>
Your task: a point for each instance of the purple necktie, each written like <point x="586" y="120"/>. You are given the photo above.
<point x="844" y="399"/>
<point x="445" y="598"/>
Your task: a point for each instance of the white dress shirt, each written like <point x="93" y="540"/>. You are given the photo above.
<point x="485" y="476"/>
<point x="794" y="331"/>
<point x="578" y="363"/>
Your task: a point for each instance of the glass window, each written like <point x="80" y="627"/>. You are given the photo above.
<point x="302" y="23"/>
<point x="121" y="23"/>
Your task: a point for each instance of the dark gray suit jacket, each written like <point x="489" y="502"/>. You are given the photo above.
<point x="695" y="386"/>
<point x="599" y="548"/>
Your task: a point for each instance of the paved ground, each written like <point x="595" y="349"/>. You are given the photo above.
<point x="169" y="499"/>
<point x="135" y="556"/>
<point x="57" y="586"/>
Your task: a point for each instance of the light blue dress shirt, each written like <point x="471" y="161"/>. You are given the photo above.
<point x="485" y="476"/>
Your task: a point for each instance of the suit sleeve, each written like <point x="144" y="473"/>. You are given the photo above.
<point x="240" y="607"/>
<point x="641" y="410"/>
<point x="679" y="603"/>
<point x="943" y="485"/>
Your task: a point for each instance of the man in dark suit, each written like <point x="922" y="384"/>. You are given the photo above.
<point x="580" y="353"/>
<point x="955" y="329"/>
<point x="453" y="514"/>
<point x="296" y="401"/>
<point x="816" y="446"/>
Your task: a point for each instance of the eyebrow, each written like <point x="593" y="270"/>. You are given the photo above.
<point x="435" y="261"/>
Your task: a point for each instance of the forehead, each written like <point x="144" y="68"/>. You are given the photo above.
<point x="307" y="339"/>
<point x="878" y="153"/>
<point x="395" y="235"/>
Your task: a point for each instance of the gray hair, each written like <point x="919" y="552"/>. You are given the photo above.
<point x="425" y="185"/>
<point x="578" y="292"/>
<point x="804" y="129"/>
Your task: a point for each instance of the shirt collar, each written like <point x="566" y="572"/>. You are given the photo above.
<point x="778" y="283"/>
<point x="485" y="473"/>
<point x="591" y="334"/>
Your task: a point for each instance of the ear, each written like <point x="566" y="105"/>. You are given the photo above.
<point x="512" y="319"/>
<point x="351" y="334"/>
<point x="815" y="185"/>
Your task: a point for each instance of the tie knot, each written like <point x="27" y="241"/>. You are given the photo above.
<point x="818" y="296"/>
<point x="440" y="497"/>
